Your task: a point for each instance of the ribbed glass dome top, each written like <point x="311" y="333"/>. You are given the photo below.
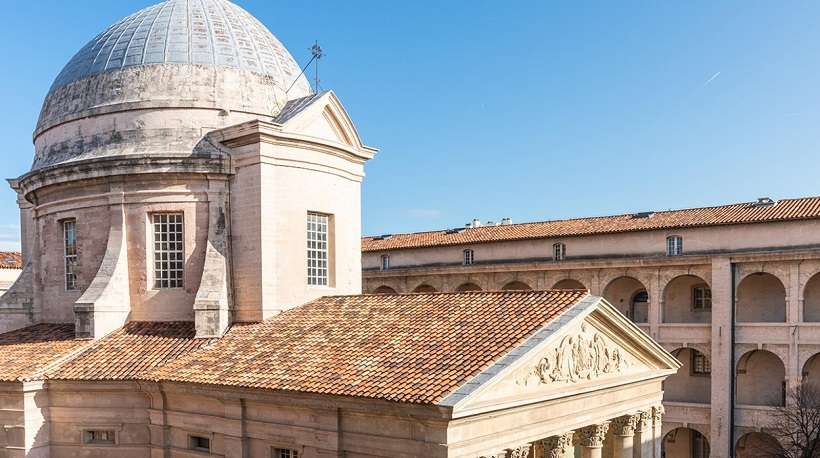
<point x="206" y="32"/>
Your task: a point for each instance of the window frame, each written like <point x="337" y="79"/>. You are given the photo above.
<point x="88" y="438"/>
<point x="276" y="452"/>
<point x="70" y="260"/>
<point x="674" y="245"/>
<point x="318" y="276"/>
<point x="468" y="257"/>
<point x="192" y="440"/>
<point x="704" y="298"/>
<point x="559" y="251"/>
<point x="178" y="283"/>
<point x="706" y="365"/>
<point x="384" y="262"/>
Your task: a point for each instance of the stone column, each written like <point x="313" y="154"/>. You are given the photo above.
<point x="591" y="439"/>
<point x="559" y="446"/>
<point x="657" y="430"/>
<point x="623" y="435"/>
<point x="644" y="441"/>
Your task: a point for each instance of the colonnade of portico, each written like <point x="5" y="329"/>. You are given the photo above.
<point x="636" y="435"/>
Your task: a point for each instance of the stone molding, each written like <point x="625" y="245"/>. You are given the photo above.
<point x="593" y="436"/>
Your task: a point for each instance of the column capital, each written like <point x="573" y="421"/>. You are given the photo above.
<point x="522" y="451"/>
<point x="657" y="414"/>
<point x="593" y="435"/>
<point x="644" y="420"/>
<point x="557" y="446"/>
<point x="625" y="425"/>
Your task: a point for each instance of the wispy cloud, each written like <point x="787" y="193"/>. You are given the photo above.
<point x="424" y="213"/>
<point x="709" y="81"/>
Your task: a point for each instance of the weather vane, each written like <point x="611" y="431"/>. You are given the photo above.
<point x="317" y="53"/>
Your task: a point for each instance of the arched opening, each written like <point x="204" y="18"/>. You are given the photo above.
<point x="687" y="299"/>
<point x="761" y="379"/>
<point x="569" y="283"/>
<point x="811" y="300"/>
<point x="757" y="445"/>
<point x="425" y="289"/>
<point x="629" y="296"/>
<point x="693" y="381"/>
<point x="384" y="289"/>
<point x="516" y="286"/>
<point x="811" y="372"/>
<point x="465" y="287"/>
<point x="761" y="298"/>
<point x="685" y="443"/>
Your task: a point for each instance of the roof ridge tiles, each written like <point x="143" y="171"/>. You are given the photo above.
<point x="726" y="214"/>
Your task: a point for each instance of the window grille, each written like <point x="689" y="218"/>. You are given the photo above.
<point x="317" y="249"/>
<point x="169" y="252"/>
<point x="70" y="254"/>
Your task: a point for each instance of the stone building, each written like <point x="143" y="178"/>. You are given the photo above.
<point x="733" y="291"/>
<point x="192" y="275"/>
<point x="10" y="266"/>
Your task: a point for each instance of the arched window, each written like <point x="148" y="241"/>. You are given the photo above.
<point x="559" y="251"/>
<point x="385" y="262"/>
<point x="469" y="257"/>
<point x="674" y="245"/>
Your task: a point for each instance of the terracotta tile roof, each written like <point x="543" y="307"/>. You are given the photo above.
<point x="742" y="213"/>
<point x="11" y="260"/>
<point x="131" y="352"/>
<point x="413" y="348"/>
<point x="29" y="351"/>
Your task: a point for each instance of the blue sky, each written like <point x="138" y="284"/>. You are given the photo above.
<point x="531" y="110"/>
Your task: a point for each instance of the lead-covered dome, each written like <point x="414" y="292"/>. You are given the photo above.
<point x="200" y="32"/>
<point x="155" y="82"/>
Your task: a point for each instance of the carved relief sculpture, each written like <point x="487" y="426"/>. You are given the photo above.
<point x="584" y="356"/>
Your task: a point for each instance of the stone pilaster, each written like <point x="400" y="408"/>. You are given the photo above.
<point x="722" y="364"/>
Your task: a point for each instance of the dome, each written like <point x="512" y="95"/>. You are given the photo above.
<point x="199" y="32"/>
<point x="155" y="82"/>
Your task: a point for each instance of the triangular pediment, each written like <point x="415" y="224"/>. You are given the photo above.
<point x="592" y="348"/>
<point x="324" y="117"/>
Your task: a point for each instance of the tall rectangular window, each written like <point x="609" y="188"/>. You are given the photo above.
<point x="169" y="252"/>
<point x="702" y="298"/>
<point x="317" y="249"/>
<point x="674" y="245"/>
<point x="70" y="253"/>
<point x="469" y="257"/>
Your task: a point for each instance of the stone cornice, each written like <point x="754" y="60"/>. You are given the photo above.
<point x="257" y="131"/>
<point x="120" y="166"/>
<point x="764" y="255"/>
